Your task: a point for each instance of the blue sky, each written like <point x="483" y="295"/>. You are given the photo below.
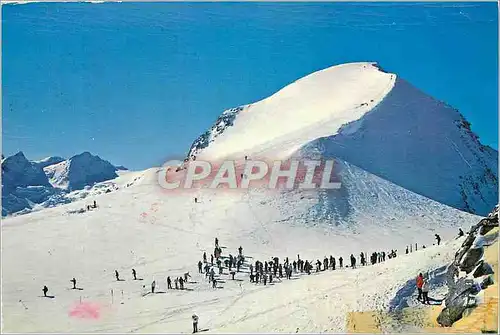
<point x="136" y="83"/>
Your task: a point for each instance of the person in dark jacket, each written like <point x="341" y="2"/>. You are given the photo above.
<point x="169" y="283"/>
<point x="195" y="323"/>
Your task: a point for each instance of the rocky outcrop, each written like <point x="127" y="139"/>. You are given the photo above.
<point x="469" y="273"/>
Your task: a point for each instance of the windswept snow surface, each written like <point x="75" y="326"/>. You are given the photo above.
<point x="161" y="234"/>
<point x="312" y="107"/>
<point x="369" y="118"/>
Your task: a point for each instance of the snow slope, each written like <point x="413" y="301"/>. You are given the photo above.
<point x="162" y="234"/>
<point x="51" y="160"/>
<point x="369" y="118"/>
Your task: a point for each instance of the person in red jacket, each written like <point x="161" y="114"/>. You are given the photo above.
<point x="420" y="283"/>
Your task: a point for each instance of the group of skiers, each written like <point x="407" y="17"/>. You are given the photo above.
<point x="94" y="205"/>
<point x="216" y="260"/>
<point x="265" y="272"/>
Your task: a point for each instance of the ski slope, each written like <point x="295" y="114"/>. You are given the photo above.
<point x="160" y="234"/>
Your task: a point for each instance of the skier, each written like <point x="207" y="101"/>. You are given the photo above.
<point x="240" y="251"/>
<point x="325" y="263"/>
<point x="186" y="276"/>
<point x="45" y="290"/>
<point x="153" y="285"/>
<point x="307" y="268"/>
<point x="251" y="269"/>
<point x="214" y="283"/>
<point x="176" y="282"/>
<point x="460" y="232"/>
<point x="181" y="283"/>
<point x="200" y="267"/>
<point x="195" y="323"/>
<point x="232" y="275"/>
<point x="204" y="257"/>
<point x="420" y="283"/>
<point x="353" y="261"/>
<point x="407" y="250"/>
<point x="341" y="260"/>
<point x="117" y="275"/>
<point x="169" y="283"/>
<point x="265" y="279"/>
<point x="416" y="247"/>
<point x="134" y="274"/>
<point x="332" y="262"/>
<point x="95" y="204"/>
<point x="362" y="260"/>
<point x="438" y="238"/>
<point x="216" y="242"/>
<point x="74" y="283"/>
<point x="195" y="200"/>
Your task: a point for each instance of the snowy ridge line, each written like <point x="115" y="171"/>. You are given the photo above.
<point x="326" y="92"/>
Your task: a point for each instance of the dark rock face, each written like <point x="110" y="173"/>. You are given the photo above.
<point x="86" y="169"/>
<point x="482" y="269"/>
<point x="453" y="312"/>
<point x="17" y="171"/>
<point x="470" y="259"/>
<point x="486" y="229"/>
<point x="468" y="241"/>
<point x="222" y="123"/>
<point x="462" y="291"/>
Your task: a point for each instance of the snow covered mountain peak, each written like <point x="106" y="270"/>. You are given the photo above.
<point x="79" y="171"/>
<point x="314" y="106"/>
<point x="49" y="182"/>
<point x="366" y="117"/>
<point x="18" y="171"/>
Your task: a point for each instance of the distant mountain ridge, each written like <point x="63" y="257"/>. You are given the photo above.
<point x="26" y="184"/>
